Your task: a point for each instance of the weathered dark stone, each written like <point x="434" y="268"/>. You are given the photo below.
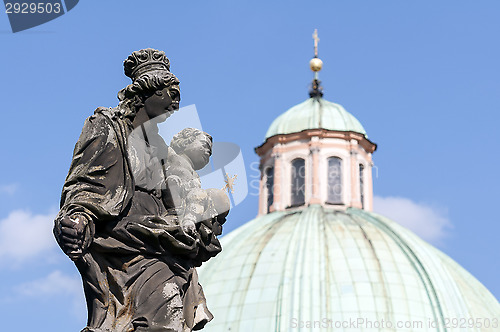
<point x="133" y="216"/>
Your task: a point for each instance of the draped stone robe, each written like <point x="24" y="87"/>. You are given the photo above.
<point x="138" y="266"/>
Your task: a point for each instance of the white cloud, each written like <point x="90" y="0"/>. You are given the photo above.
<point x="24" y="235"/>
<point x="430" y="223"/>
<point x="9" y="189"/>
<point x="55" y="285"/>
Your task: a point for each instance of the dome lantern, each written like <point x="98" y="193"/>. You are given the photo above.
<point x="315" y="153"/>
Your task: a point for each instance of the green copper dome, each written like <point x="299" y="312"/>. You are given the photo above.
<point x="315" y="113"/>
<point x="319" y="268"/>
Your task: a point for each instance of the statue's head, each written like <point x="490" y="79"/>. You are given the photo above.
<point x="194" y="144"/>
<point x="149" y="70"/>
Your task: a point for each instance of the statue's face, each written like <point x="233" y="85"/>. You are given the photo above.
<point x="162" y="104"/>
<point x="199" y="152"/>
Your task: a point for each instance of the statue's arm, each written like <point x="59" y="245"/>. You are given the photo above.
<point x="98" y="185"/>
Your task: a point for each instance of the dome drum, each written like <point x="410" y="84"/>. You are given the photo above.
<point x="330" y="173"/>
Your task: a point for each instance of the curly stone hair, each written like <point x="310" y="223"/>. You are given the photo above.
<point x="185" y="137"/>
<point x="133" y="95"/>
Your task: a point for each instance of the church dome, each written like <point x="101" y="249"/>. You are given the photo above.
<point x="317" y="259"/>
<point x="322" y="268"/>
<point x="315" y="113"/>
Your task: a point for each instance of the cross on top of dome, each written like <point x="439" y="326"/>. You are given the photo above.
<point x="316" y="64"/>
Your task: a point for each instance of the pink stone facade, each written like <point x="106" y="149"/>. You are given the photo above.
<point x="315" y="147"/>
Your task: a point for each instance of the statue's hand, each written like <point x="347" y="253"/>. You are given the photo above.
<point x="72" y="231"/>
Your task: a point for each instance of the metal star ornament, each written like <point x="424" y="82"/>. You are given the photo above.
<point x="229" y="183"/>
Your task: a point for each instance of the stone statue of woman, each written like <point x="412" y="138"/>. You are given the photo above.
<point x="137" y="263"/>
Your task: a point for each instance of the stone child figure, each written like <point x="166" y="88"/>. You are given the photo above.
<point x="192" y="150"/>
<point x="138" y="265"/>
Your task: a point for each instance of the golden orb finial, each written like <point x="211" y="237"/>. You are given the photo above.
<point x="316" y="64"/>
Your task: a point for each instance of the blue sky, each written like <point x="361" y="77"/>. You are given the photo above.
<point x="421" y="77"/>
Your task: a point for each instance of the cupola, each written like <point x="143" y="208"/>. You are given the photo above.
<point x="315" y="153"/>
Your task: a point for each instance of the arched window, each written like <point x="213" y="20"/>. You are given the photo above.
<point x="334" y="180"/>
<point x="270" y="186"/>
<point x="298" y="182"/>
<point x="361" y="185"/>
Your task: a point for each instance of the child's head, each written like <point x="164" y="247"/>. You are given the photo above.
<point x="194" y="144"/>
